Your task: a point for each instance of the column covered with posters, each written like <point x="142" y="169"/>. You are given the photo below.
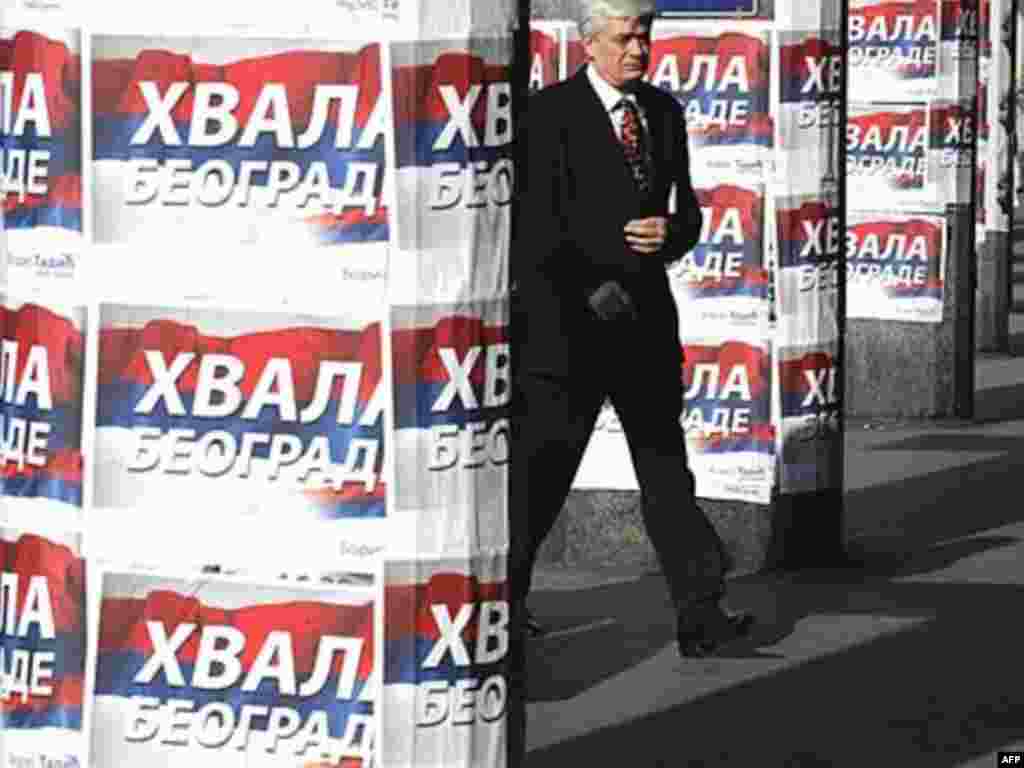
<point x="254" y="384"/>
<point x="911" y="139"/>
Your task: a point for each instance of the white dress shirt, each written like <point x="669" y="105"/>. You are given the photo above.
<point x="610" y="97"/>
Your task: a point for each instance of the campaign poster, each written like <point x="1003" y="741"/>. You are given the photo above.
<point x="42" y="648"/>
<point x="452" y="392"/>
<point x="453" y="137"/>
<point x="722" y="284"/>
<point x="41" y="364"/>
<point x="239" y="414"/>
<point x="887" y="157"/>
<point x="215" y="673"/>
<point x="545" y="55"/>
<point x="893" y="49"/>
<point x="40" y="149"/>
<point x="950" y="150"/>
<point x="730" y="437"/>
<point x="721" y="77"/>
<point x="810" y="74"/>
<point x="235" y="140"/>
<point x="811" y="440"/>
<point x="808" y="248"/>
<point x="961" y="19"/>
<point x="958" y="50"/>
<point x="445" y="681"/>
<point x="895" y="266"/>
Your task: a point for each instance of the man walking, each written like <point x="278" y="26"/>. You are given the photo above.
<point x="593" y="314"/>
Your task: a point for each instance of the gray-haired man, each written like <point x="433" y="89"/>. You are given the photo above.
<point x="594" y="316"/>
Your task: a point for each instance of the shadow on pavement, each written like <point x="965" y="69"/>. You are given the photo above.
<point x="942" y="505"/>
<point x="936" y="681"/>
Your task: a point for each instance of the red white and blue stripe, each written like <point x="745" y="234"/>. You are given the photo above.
<point x="125" y="377"/>
<point x="60" y="478"/>
<point x="25" y="53"/>
<point x="753" y="279"/>
<point x="759" y="436"/>
<point x="29" y="555"/>
<point x="306" y="616"/>
<point x="120" y="110"/>
<point x="691" y="47"/>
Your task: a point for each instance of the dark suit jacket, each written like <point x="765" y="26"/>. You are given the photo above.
<point x="576" y="195"/>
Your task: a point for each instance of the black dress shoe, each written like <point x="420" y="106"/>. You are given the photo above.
<point x="710" y="628"/>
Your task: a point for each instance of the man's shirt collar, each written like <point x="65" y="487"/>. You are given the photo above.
<point x="609" y="95"/>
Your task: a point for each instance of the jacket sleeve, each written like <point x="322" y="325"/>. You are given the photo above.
<point x="541" y="218"/>
<point x="685" y="223"/>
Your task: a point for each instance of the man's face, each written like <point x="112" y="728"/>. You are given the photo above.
<point x="622" y="50"/>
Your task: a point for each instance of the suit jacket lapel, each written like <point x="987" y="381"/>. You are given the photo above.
<point x="593" y="128"/>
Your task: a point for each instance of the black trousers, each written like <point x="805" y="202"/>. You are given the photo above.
<point x="553" y="419"/>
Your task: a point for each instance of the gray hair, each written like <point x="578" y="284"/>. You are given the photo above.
<point x="594" y="14"/>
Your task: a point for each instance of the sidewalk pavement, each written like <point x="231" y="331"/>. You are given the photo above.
<point x="911" y="657"/>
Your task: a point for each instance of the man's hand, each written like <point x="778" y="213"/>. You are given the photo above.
<point x="610" y="301"/>
<point x="647" y="235"/>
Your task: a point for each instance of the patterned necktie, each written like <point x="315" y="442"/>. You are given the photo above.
<point x="633" y="145"/>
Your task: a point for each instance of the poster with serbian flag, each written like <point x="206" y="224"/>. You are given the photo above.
<point x="964" y="24"/>
<point x="810" y="69"/>
<point x="545" y="54"/>
<point x="224" y="413"/>
<point x="887" y="157"/>
<point x="951" y="146"/>
<point x="234" y="140"/>
<point x="42" y="647"/>
<point x="214" y="673"/>
<point x="895" y="266"/>
<point x="721" y="77"/>
<point x="722" y="284"/>
<point x="808" y="250"/>
<point x="452" y="391"/>
<point x="40" y="129"/>
<point x="446" y="640"/>
<point x="730" y="437"/>
<point x="41" y="363"/>
<point x="40" y="148"/>
<point x="810" y="437"/>
<point x="893" y="49"/>
<point x="453" y="138"/>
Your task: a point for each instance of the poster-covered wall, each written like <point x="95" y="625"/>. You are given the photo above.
<point x="254" y="383"/>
